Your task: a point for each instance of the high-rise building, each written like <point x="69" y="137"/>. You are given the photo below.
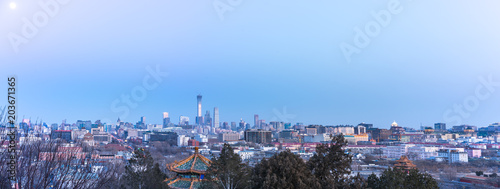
<point x="366" y="125"/>
<point x="242" y="124"/>
<point x="166" y="119"/>
<point x="183" y="120"/>
<point x="199" y="118"/>
<point x="256" y="121"/>
<point x="208" y="119"/>
<point x="440" y="126"/>
<point x="279" y="126"/>
<point x="84" y="124"/>
<point x="216" y="117"/>
<point x="225" y="125"/>
<point x="247" y="126"/>
<point x="258" y="136"/>
<point x="233" y="126"/>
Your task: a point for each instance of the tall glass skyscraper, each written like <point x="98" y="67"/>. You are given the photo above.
<point x="216" y="117"/>
<point x="166" y="119"/>
<point x="199" y="118"/>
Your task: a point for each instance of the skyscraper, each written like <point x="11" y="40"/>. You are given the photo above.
<point x="216" y="117"/>
<point x="183" y="120"/>
<point x="208" y="119"/>
<point x="199" y="118"/>
<point x="256" y="121"/>
<point x="440" y="126"/>
<point x="242" y="124"/>
<point x="166" y="119"/>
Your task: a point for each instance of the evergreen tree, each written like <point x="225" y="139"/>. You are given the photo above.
<point x="283" y="170"/>
<point x="331" y="164"/>
<point x="358" y="182"/>
<point x="227" y="171"/>
<point x="400" y="179"/>
<point x="141" y="172"/>
<point x="373" y="181"/>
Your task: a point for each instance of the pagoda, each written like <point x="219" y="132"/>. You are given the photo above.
<point x="404" y="164"/>
<point x="190" y="171"/>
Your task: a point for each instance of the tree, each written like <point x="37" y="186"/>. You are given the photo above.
<point x="283" y="170"/>
<point x="373" y="181"/>
<point x="52" y="164"/>
<point x="401" y="179"/>
<point x="357" y="182"/>
<point x="142" y="172"/>
<point x="331" y="164"/>
<point x="227" y="171"/>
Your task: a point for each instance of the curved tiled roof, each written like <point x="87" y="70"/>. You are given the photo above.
<point x="183" y="183"/>
<point x="189" y="171"/>
<point x="195" y="163"/>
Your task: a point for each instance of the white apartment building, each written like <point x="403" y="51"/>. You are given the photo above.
<point x="317" y="137"/>
<point x="182" y="140"/>
<point x="423" y="152"/>
<point x="396" y="151"/>
<point x="454" y="155"/>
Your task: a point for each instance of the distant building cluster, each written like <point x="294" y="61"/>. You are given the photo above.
<point x="262" y="139"/>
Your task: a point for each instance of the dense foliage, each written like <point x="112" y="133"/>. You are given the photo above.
<point x="331" y="164"/>
<point x="399" y="179"/>
<point x="142" y="172"/>
<point x="227" y="171"/>
<point x="283" y="170"/>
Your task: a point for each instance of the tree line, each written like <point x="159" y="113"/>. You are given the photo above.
<point x="328" y="168"/>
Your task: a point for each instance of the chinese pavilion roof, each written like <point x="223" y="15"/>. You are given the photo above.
<point x="195" y="163"/>
<point x="190" y="171"/>
<point x="404" y="163"/>
<point x="180" y="183"/>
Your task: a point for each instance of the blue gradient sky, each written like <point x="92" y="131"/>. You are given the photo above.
<point x="264" y="56"/>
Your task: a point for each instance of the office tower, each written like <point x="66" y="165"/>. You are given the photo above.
<point x="199" y="119"/>
<point x="248" y="126"/>
<point x="258" y="136"/>
<point x="84" y="125"/>
<point x="141" y="124"/>
<point x="360" y="129"/>
<point x="166" y="119"/>
<point x="440" y="126"/>
<point x="256" y="121"/>
<point x="183" y="120"/>
<point x="216" y="117"/>
<point x="233" y="126"/>
<point x="225" y="125"/>
<point x="54" y="126"/>
<point x="366" y="125"/>
<point x="277" y="125"/>
<point x="242" y="125"/>
<point x="208" y="119"/>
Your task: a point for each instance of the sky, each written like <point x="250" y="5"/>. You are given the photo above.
<point x="322" y="62"/>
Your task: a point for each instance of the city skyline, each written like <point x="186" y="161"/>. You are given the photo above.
<point x="216" y="121"/>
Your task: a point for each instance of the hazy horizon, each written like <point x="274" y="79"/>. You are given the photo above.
<point x="428" y="62"/>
